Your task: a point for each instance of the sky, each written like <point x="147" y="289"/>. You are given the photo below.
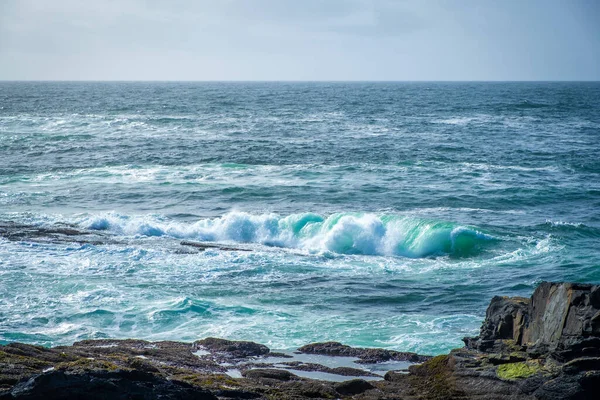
<point x="327" y="40"/>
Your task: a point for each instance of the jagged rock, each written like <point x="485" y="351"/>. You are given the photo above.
<point x="505" y="318"/>
<point x="561" y="320"/>
<point x="561" y="316"/>
<point x="548" y="345"/>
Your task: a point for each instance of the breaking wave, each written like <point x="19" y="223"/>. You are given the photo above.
<point x="343" y="233"/>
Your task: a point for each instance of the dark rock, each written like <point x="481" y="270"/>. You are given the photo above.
<point x="142" y="365"/>
<point x="276" y="374"/>
<point x="203" y="246"/>
<point x="582" y="364"/>
<point x="505" y="318"/>
<point x="548" y="346"/>
<point x="236" y="349"/>
<point x="394" y="376"/>
<point x="564" y="388"/>
<point x="164" y="353"/>
<point x="366" y="356"/>
<point x="561" y="314"/>
<point x="329" y="349"/>
<point x="545" y="348"/>
<point x="352" y="387"/>
<point x="347" y="371"/>
<point x="585" y="347"/>
<point x="237" y="394"/>
<point x="561" y="319"/>
<point x="499" y="359"/>
<point x="58" y="233"/>
<point x="280" y="355"/>
<point x="305" y="389"/>
<point x="104" y="385"/>
<point x="344" y="371"/>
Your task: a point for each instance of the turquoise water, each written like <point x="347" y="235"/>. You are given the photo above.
<point x="379" y="214"/>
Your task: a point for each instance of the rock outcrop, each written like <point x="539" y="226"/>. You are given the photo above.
<point x="560" y="319"/>
<point x="548" y="345"/>
<point x="545" y="348"/>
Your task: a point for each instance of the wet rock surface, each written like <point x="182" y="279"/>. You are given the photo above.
<point x="364" y="355"/>
<point x="171" y="370"/>
<point x="232" y="349"/>
<point x="69" y="234"/>
<point x="58" y="233"/>
<point x="546" y="347"/>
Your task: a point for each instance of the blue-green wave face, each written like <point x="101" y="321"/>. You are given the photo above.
<point x="342" y="233"/>
<point x="377" y="214"/>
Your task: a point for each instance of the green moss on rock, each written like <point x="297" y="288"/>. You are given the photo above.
<point x="87" y="364"/>
<point x="518" y="370"/>
<point x="434" y="380"/>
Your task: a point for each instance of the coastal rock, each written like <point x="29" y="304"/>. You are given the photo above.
<point x="236" y="394"/>
<point x="104" y="385"/>
<point x="343" y="371"/>
<point x="235" y="349"/>
<point x="564" y="320"/>
<point x="365" y="356"/>
<point x="547" y="345"/>
<point x="352" y="387"/>
<point x="543" y="348"/>
<point x="560" y="319"/>
<point x="202" y="246"/>
<point x="505" y="318"/>
<point x="276" y="374"/>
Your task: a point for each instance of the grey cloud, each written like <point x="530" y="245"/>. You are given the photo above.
<point x="309" y="39"/>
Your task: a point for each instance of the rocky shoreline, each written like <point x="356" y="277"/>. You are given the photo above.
<point x="544" y="347"/>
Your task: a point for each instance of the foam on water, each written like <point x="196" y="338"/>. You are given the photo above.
<point x="378" y="214"/>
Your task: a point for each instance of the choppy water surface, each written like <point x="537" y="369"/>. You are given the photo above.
<point x="379" y="214"/>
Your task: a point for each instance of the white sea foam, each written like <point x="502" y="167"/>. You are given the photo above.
<point x="565" y="223"/>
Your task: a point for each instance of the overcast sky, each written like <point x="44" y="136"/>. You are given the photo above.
<point x="300" y="40"/>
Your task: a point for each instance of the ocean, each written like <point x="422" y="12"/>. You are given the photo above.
<point x="376" y="214"/>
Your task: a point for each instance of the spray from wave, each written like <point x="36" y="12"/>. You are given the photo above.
<point x="343" y="233"/>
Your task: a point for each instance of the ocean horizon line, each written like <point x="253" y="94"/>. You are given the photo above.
<point x="284" y="81"/>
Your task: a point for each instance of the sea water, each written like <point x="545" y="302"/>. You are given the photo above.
<point x="378" y="214"/>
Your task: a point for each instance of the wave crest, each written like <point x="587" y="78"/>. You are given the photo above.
<point x="342" y="233"/>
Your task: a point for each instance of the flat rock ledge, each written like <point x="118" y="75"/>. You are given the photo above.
<point x="545" y="347"/>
